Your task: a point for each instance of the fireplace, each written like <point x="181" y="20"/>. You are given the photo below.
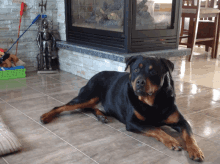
<point x="124" y="25"/>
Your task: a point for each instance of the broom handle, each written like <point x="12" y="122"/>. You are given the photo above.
<point x="18" y="36"/>
<point x="21" y="13"/>
<point x="24" y="31"/>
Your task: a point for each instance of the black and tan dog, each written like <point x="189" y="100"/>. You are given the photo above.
<point x="144" y="100"/>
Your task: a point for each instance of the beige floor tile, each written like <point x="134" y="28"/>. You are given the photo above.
<point x="186" y="89"/>
<point x="64" y="155"/>
<point x="79" y="131"/>
<point x="203" y="125"/>
<point x="213" y="112"/>
<point x="56" y="89"/>
<point x="67" y="78"/>
<point x="7" y="85"/>
<point x="193" y="103"/>
<point x="211" y="94"/>
<point x="120" y="149"/>
<point x="2" y="161"/>
<point x="35" y="104"/>
<point x="38" y="144"/>
<point x="65" y="97"/>
<point x="19" y="94"/>
<point x="150" y="141"/>
<point x="167" y="160"/>
<point x="62" y="119"/>
<point x="38" y="80"/>
<point x="203" y="72"/>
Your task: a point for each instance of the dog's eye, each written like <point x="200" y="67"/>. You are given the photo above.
<point x="136" y="70"/>
<point x="153" y="72"/>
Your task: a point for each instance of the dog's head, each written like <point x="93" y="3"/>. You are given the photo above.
<point x="147" y="75"/>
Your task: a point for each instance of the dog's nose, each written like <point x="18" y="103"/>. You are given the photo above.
<point x="141" y="83"/>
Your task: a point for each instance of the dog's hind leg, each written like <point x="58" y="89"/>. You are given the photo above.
<point x="100" y="116"/>
<point x="76" y="103"/>
<point x="99" y="112"/>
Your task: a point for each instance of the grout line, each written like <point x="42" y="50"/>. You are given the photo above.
<point x="216" y="119"/>
<point x="188" y="114"/>
<point x="5" y="160"/>
<point x="53" y="133"/>
<point x="209" y="108"/>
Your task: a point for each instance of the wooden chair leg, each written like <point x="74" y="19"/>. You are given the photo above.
<point x="195" y="30"/>
<point x="182" y="29"/>
<point x="215" y="37"/>
<point x="206" y="48"/>
<point x="190" y="32"/>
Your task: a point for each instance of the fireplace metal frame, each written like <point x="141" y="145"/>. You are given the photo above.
<point x="130" y="40"/>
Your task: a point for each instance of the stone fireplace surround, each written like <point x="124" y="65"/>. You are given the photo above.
<point x="86" y="61"/>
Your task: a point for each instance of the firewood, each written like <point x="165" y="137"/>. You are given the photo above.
<point x="141" y="5"/>
<point x="113" y="16"/>
<point x="100" y="13"/>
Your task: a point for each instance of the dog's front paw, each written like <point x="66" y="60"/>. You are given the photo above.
<point x="103" y="119"/>
<point x="195" y="153"/>
<point x="173" y="144"/>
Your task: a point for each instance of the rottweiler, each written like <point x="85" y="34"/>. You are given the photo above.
<point x="144" y="100"/>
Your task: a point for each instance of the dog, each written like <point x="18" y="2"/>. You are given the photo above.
<point x="144" y="100"/>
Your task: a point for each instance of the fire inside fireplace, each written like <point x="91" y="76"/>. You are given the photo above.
<point x="124" y="25"/>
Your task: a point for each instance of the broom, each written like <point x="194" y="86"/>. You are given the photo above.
<point x="21" y="13"/>
<point x="4" y="57"/>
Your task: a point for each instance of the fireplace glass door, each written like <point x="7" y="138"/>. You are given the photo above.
<point x="153" y="14"/>
<point x="124" y="25"/>
<point x="98" y="14"/>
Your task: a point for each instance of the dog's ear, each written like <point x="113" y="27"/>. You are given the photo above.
<point x="131" y="60"/>
<point x="169" y="66"/>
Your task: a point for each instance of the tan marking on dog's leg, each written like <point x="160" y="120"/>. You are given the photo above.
<point x="101" y="117"/>
<point x="48" y="117"/>
<point x="163" y="137"/>
<point x="191" y="146"/>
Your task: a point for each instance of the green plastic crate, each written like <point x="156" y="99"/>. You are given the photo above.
<point x="12" y="73"/>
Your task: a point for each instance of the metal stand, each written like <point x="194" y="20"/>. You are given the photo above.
<point x="47" y="71"/>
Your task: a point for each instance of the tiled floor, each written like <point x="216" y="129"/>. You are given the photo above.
<point x="77" y="137"/>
